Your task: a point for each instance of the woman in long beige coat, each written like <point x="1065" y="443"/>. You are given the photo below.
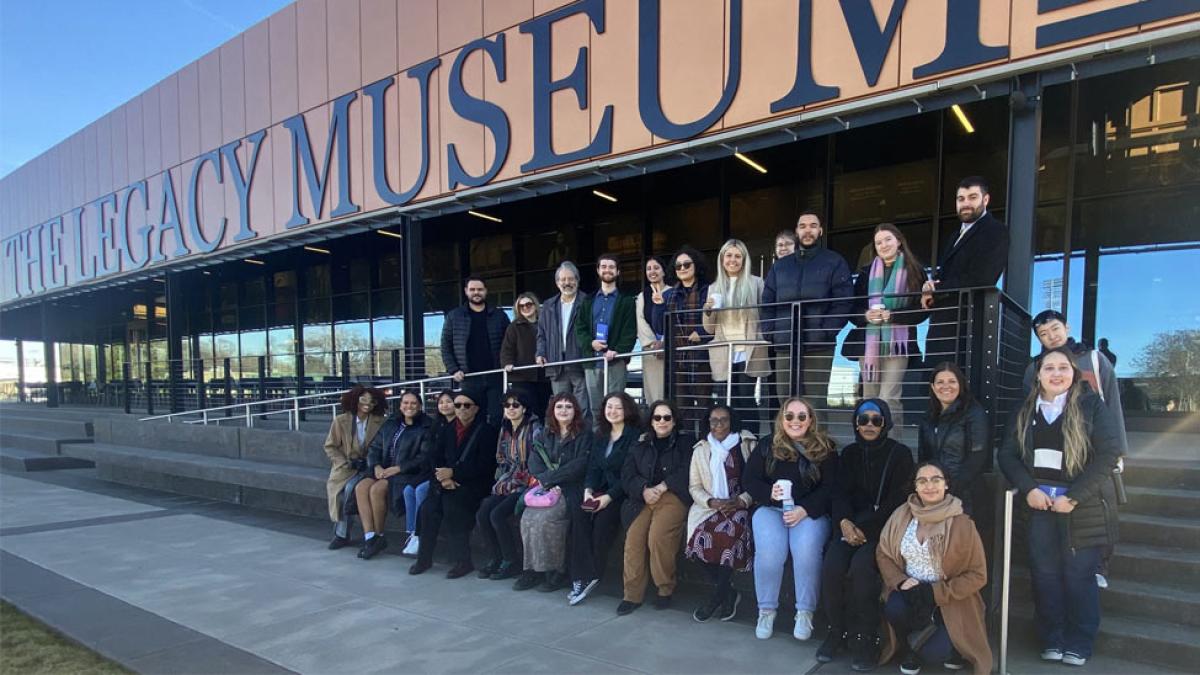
<point x="363" y="411"/>
<point x="731" y="313"/>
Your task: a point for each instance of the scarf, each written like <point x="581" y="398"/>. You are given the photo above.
<point x="885" y="339"/>
<point x="938" y="515"/>
<point x="716" y="463"/>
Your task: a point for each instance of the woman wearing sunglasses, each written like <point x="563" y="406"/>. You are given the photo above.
<point x="518" y="430"/>
<point x="873" y="481"/>
<point x="955" y="432"/>
<point x="655" y="478"/>
<point x="558" y="465"/>
<point x="519" y="348"/>
<point x="684" y="302"/>
<point x="790" y="476"/>
<point x="932" y="563"/>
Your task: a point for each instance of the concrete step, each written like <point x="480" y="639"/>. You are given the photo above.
<point x="1159" y="501"/>
<point x="1175" y="567"/>
<point x="1126" y="597"/>
<point x="1156" y="642"/>
<point x="1163" y="473"/>
<point x="46" y="442"/>
<point x="18" y="459"/>
<point x="17" y="423"/>
<point x="1176" y="531"/>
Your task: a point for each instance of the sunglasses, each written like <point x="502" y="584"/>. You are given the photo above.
<point x="799" y="417"/>
<point x="662" y="418"/>
<point x="718" y="420"/>
<point x="524" y="305"/>
<point x="683" y="265"/>
<point x="513" y="404"/>
<point x="932" y="480"/>
<point x="463" y="406"/>
<point x="873" y="420"/>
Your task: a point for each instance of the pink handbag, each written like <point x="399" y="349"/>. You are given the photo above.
<point x="541" y="498"/>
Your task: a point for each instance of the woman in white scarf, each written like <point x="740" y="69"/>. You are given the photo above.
<point x="719" y="529"/>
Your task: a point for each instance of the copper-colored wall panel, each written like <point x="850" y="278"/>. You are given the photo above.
<point x="168" y="105"/>
<point x="501" y="15"/>
<point x="134" y="140"/>
<point x="345" y="50"/>
<point x="281" y="179"/>
<point x="379" y="39"/>
<point x="691" y="68"/>
<point x="458" y="22"/>
<point x="137" y="218"/>
<point x="468" y="137"/>
<point x="256" y="56"/>
<point x="769" y="31"/>
<point x="120" y="148"/>
<point x="571" y="126"/>
<point x="393" y="142"/>
<point x="845" y="70"/>
<point x="924" y="23"/>
<point x="104" y="157"/>
<point x="151" y="132"/>
<point x="312" y="53"/>
<point x="209" y="100"/>
<point x="410" y="133"/>
<point x="418" y="30"/>
<point x="613" y="76"/>
<point x="284" y="69"/>
<point x="513" y="95"/>
<point x="1025" y="14"/>
<point x="91" y="163"/>
<point x="75" y="162"/>
<point x="233" y="91"/>
<point x="542" y="6"/>
<point x="189" y="111"/>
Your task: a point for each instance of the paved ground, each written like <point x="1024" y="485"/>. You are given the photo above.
<point x="164" y="583"/>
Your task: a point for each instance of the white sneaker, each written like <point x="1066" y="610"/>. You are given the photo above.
<point x="803" y="629"/>
<point x="578" y="596"/>
<point x="1073" y="659"/>
<point x="1052" y="654"/>
<point x="411" y="547"/>
<point x="1101" y="581"/>
<point x="766" y="624"/>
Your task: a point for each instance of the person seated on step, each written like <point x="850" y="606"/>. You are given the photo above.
<point x="397" y="476"/>
<point x="350" y="434"/>
<point x="558" y="465"/>
<point x="720" y="536"/>
<point x="955" y="432"/>
<point x="464" y="462"/>
<point x="596" y="519"/>
<point x="1059" y="450"/>
<point x="931" y="560"/>
<point x="874" y="479"/>
<point x="790" y="475"/>
<point x="655" y="478"/>
<point x="517" y="432"/>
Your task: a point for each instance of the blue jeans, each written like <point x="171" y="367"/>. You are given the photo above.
<point x="413" y="496"/>
<point x="1065" y="594"/>
<point x="772" y="542"/>
<point x="938" y="649"/>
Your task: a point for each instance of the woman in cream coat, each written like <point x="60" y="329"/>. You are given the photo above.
<point x="350" y="435"/>
<point x="649" y="335"/>
<point x="731" y="313"/>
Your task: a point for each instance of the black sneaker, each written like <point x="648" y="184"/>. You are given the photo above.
<point x="835" y="641"/>
<point x="506" y="570"/>
<point x="864" y="650"/>
<point x="706" y="611"/>
<point x="462" y="569"/>
<point x="372" y="548"/>
<point x="730" y="607"/>
<point x="955" y="662"/>
<point x="910" y="664"/>
<point x="527" y="580"/>
<point x="662" y="601"/>
<point x="554" y="581"/>
<point x="489" y="569"/>
<point x="626" y="607"/>
<point x="419" y="567"/>
<point x="339" y="542"/>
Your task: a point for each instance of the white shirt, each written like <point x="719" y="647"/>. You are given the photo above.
<point x="919" y="562"/>
<point x="566" y="317"/>
<point x="966" y="227"/>
<point x="360" y="431"/>
<point x="1052" y="409"/>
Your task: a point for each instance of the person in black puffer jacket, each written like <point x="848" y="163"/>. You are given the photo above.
<point x="955" y="432"/>
<point x="874" y="479"/>
<point x="396" y="468"/>
<point x="1058" y="452"/>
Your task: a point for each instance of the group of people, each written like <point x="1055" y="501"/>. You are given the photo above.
<point x="881" y="538"/>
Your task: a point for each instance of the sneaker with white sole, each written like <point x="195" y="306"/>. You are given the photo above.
<point x="1052" y="655"/>
<point x="1101" y="581"/>
<point x="411" y="547"/>
<point x="1073" y="659"/>
<point x="766" y="624"/>
<point x="803" y="629"/>
<point x="579" y="595"/>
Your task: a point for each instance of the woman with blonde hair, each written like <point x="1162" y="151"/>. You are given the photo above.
<point x="519" y="348"/>
<point x="790" y="478"/>
<point x="730" y="314"/>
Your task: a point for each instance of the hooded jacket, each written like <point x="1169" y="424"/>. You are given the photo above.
<point x="874" y="478"/>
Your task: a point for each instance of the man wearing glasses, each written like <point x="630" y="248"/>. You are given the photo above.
<point x="812" y="274"/>
<point x="556" y="336"/>
<point x="606" y="327"/>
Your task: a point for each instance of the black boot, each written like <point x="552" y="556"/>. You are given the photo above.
<point x="835" y="641"/>
<point x="864" y="651"/>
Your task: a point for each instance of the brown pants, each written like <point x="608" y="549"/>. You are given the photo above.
<point x="659" y="528"/>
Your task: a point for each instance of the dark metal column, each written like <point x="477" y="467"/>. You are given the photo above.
<point x="1024" y="150"/>
<point x="176" y="319"/>
<point x="21" y="371"/>
<point x="414" y="299"/>
<point x="50" y="359"/>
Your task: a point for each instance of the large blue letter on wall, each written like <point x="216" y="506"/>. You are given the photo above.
<point x="963" y="47"/>
<point x="478" y="110"/>
<point x="805" y="89"/>
<point x="317" y="181"/>
<point x="377" y="91"/>
<point x="242" y="181"/>
<point x="871" y="41"/>
<point x="195" y="231"/>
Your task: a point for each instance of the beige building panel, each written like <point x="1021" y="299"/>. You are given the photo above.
<point x="345" y="47"/>
<point x="571" y="128"/>
<point x="410" y="133"/>
<point x="392" y="145"/>
<point x="168" y="105"/>
<point x="91" y="164"/>
<point x="838" y="62"/>
<point x="209" y="101"/>
<point x="281" y="179"/>
<point x="312" y="55"/>
<point x="501" y="15"/>
<point x="770" y="35"/>
<point x="380" y="36"/>
<point x="151" y="132"/>
<point x="189" y="111"/>
<point x="256" y="58"/>
<point x="514" y="96"/>
<point x="467" y="137"/>
<point x="417" y="24"/>
<point x="924" y="30"/>
<point x="262" y="189"/>
<point x="458" y="22"/>
<point x="613" y="76"/>
<point x="120" y="147"/>
<point x="691" y="67"/>
<point x="134" y="140"/>
<point x="284" y="69"/>
<point x="540" y="7"/>
<point x="233" y="90"/>
<point x="104" y="157"/>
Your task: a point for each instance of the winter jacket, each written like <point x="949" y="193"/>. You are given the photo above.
<point x="409" y="450"/>
<point x="621" y="334"/>
<point x="873" y="480"/>
<point x="959" y="441"/>
<point x="675" y="461"/>
<point x="856" y="341"/>
<point x="512" y="455"/>
<point x="811" y="274"/>
<point x="519" y="348"/>
<point x="814" y="494"/>
<point x="550" y="344"/>
<point x="473" y="462"/>
<point x="977" y="260"/>
<point x="569" y="458"/>
<point x="456" y="328"/>
<point x="1100" y="375"/>
<point x="604" y="472"/>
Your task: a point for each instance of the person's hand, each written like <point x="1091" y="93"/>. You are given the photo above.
<point x="448" y="484"/>
<point x="587" y="494"/>
<point x="650" y="495"/>
<point x="852" y="534"/>
<point x="656" y="297"/>
<point x="777" y="492"/>
<point x="459" y="376"/>
<point x="379" y="475"/>
<point x="694" y="338"/>
<point x="599" y="345"/>
<point x="708" y="304"/>
<point x="909" y="583"/>
<point x="927" y="300"/>
<point x="610" y="355"/>
<point x="1062" y="504"/>
<point x="1038" y="500"/>
<point x="604" y="500"/>
<point x="731" y="506"/>
<point x="885" y="315"/>
<point x="394" y="471"/>
<point x="792" y="517"/>
<point x="657" y="344"/>
<point x="443" y="473"/>
<point x="508" y="368"/>
<point x="929" y="286"/>
<point x="541" y="360"/>
<point x="874" y="315"/>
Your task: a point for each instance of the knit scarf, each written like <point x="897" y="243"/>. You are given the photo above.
<point x="938" y="515"/>
<point x="885" y="339"/>
<point x="716" y="463"/>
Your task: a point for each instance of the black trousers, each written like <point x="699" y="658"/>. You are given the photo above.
<point x="591" y="537"/>
<point x="455" y="509"/>
<point x="495" y="512"/>
<point x="853" y="566"/>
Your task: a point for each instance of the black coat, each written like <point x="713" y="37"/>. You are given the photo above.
<point x="814" y="495"/>
<point x="456" y="329"/>
<point x="474" y="462"/>
<point x="978" y="260"/>
<point x="604" y="472"/>
<point x="865" y="494"/>
<point x="808" y="274"/>
<point x="1093" y="522"/>
<point x="570" y="460"/>
<point x="959" y="441"/>
<point x="410" y="450"/>
<point x="639" y="469"/>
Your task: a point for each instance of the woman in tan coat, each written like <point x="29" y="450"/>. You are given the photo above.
<point x="350" y="435"/>
<point x="932" y="563"/>
<point x="731" y="313"/>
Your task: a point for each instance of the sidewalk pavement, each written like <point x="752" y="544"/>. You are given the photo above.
<point x="165" y="583"/>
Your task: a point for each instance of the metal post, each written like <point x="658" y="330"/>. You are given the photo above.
<point x="295" y="417"/>
<point x="796" y="361"/>
<point x="395" y="365"/>
<point x="249" y="419"/>
<point x="1006" y="580"/>
<point x="604" y="363"/>
<point x="21" y="371"/>
<point x="729" y="377"/>
<point x="148" y="379"/>
<point x="345" y="370"/>
<point x="126" y="376"/>
<point x="228" y="387"/>
<point x="204" y="417"/>
<point x="201" y="387"/>
<point x="262" y="378"/>
<point x="668" y="357"/>
<point x="504" y="381"/>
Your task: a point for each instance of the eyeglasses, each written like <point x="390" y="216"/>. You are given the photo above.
<point x="513" y="405"/>
<point x="683" y="264"/>
<point x="799" y="417"/>
<point x="873" y="420"/>
<point x="563" y="406"/>
<point x="932" y="480"/>
<point x="662" y="418"/>
<point x="718" y="420"/>
<point x="525" y="305"/>
<point x="464" y="406"/>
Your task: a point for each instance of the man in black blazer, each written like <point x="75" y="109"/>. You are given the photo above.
<point x="975" y="257"/>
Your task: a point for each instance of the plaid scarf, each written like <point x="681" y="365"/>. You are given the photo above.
<point x="885" y="339"/>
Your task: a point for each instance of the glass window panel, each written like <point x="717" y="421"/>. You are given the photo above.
<point x="541" y="283"/>
<point x="391" y="270"/>
<point x="440" y="261"/>
<point x="695" y="223"/>
<point x="388" y="335"/>
<point x="981" y="152"/>
<point x="547" y="249"/>
<point x="389" y="303"/>
<point x="252" y="318"/>
<point x="227" y="295"/>
<point x="885" y="172"/>
<point x="316" y="281"/>
<point x="158" y="359"/>
<point x="254" y="291"/>
<point x="1056" y="143"/>
<point x="317" y="310"/>
<point x="318" y="351"/>
<point x="354" y="338"/>
<point x="501" y="291"/>
<point x="491" y="254"/>
<point x="433" y="343"/>
<point x="254" y="343"/>
<point x="281" y="314"/>
<point x="350" y="307"/>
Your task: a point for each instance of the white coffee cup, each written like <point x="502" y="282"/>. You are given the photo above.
<point x="716" y="300"/>
<point x="786" y="485"/>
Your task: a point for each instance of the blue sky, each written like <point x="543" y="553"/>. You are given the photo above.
<point x="65" y="63"/>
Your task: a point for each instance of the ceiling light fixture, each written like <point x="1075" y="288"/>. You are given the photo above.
<point x="753" y="164"/>
<point x="962" y="118"/>
<point x="604" y="195"/>
<point x="252" y="261"/>
<point x="485" y="216"/>
<point x="393" y="235"/>
<point x="314" y="249"/>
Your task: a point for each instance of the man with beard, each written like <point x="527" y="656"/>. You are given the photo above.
<point x="976" y="256"/>
<point x="556" y="336"/>
<point x="471" y="339"/>
<point x="607" y="326"/>
<point x="812" y="273"/>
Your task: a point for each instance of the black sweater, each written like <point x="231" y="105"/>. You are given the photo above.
<point x="811" y="492"/>
<point x="604" y="472"/>
<point x="860" y="479"/>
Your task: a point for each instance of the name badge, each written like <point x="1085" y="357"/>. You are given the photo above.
<point x="1045" y="458"/>
<point x="602" y="332"/>
<point x="1054" y="491"/>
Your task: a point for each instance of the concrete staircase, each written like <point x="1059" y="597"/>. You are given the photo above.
<point x="39" y="439"/>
